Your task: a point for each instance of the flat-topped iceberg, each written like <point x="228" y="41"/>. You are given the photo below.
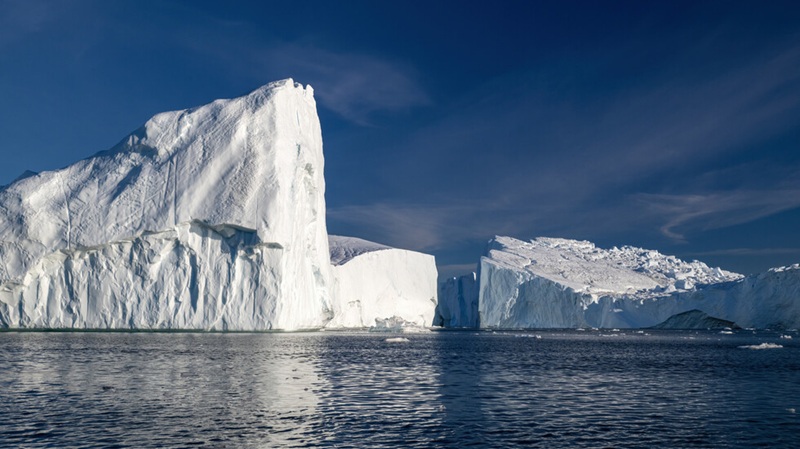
<point x="561" y="283"/>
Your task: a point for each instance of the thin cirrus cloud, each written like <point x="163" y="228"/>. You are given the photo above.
<point x="530" y="162"/>
<point x="745" y="252"/>
<point x="429" y="227"/>
<point x="20" y="18"/>
<point x="683" y="213"/>
<point x="410" y="226"/>
<point x="353" y="85"/>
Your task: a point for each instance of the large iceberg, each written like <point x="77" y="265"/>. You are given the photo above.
<point x="373" y="283"/>
<point x="205" y="218"/>
<point x="561" y="283"/>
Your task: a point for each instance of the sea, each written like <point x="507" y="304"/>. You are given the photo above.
<point x="457" y="389"/>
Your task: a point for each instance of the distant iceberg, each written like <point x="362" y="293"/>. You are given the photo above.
<point x="562" y="283"/>
<point x="695" y="319"/>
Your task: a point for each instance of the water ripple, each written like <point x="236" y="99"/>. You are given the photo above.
<point x="453" y="389"/>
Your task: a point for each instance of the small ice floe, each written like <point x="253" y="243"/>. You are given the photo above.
<point x="786" y="337"/>
<point x="397" y="324"/>
<point x="791" y="410"/>
<point x="536" y="336"/>
<point x="762" y="346"/>
<point x="397" y="340"/>
<point x="726" y="332"/>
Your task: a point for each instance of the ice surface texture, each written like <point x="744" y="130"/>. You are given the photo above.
<point x="375" y="282"/>
<point x="458" y="302"/>
<point x="560" y="283"/>
<point x="206" y="218"/>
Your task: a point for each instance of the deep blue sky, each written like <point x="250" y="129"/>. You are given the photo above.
<point x="668" y="125"/>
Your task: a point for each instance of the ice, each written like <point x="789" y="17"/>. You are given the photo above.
<point x="206" y="218"/>
<point x="373" y="282"/>
<point x="458" y="302"/>
<point x="695" y="319"/>
<point x="344" y="249"/>
<point x="397" y="340"/>
<point x="193" y="276"/>
<point x="561" y="283"/>
<point x="762" y="346"/>
<point x="396" y="324"/>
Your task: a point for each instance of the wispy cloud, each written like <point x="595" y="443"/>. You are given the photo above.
<point x="522" y="161"/>
<point x="416" y="227"/>
<point x="20" y="18"/>
<point x="682" y="213"/>
<point x="353" y="85"/>
<point x="745" y="252"/>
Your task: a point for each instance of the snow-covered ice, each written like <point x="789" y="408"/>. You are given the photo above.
<point x="251" y="165"/>
<point x="206" y="218"/>
<point x="397" y="340"/>
<point x="373" y="282"/>
<point x="561" y="283"/>
<point x="762" y="346"/>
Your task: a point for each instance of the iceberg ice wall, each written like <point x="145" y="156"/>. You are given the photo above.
<point x="458" y="302"/>
<point x="375" y="282"/>
<point x="212" y="217"/>
<point x="561" y="283"/>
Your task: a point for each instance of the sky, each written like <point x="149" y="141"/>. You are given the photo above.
<point x="667" y="125"/>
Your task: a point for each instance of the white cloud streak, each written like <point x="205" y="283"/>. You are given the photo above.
<point x="353" y="85"/>
<point x="531" y="164"/>
<point x="682" y="213"/>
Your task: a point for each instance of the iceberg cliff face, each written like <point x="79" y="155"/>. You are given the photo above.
<point x="193" y="276"/>
<point x="560" y="283"/>
<point x="140" y="235"/>
<point x="372" y="283"/>
<point x="458" y="302"/>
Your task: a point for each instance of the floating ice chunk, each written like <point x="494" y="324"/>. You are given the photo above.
<point x="397" y="340"/>
<point x="762" y="346"/>
<point x="786" y="337"/>
<point x="396" y="324"/>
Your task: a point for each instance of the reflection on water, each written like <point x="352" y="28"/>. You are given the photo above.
<point x="451" y="389"/>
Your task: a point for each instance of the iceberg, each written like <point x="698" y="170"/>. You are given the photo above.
<point x="207" y="218"/>
<point x="562" y="283"/>
<point x="373" y="284"/>
<point x="695" y="319"/>
<point x="458" y="302"/>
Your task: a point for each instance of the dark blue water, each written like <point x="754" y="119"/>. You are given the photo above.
<point x="448" y="389"/>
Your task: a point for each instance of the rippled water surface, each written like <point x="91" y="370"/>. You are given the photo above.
<point x="441" y="389"/>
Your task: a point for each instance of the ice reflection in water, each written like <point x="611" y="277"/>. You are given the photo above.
<point x="455" y="389"/>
